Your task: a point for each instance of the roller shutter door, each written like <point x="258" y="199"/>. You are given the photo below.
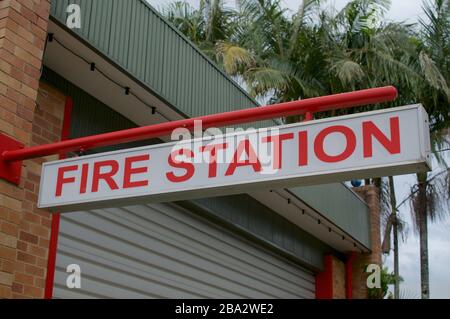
<point x="165" y="251"/>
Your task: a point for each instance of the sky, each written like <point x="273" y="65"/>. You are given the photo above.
<point x="439" y="233"/>
<point x="401" y="10"/>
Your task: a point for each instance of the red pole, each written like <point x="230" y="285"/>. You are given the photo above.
<point x="349" y="275"/>
<point x="314" y="105"/>
<point x="54" y="230"/>
<point x="324" y="280"/>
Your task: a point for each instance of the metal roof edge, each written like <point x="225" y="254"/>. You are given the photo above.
<point x="212" y="63"/>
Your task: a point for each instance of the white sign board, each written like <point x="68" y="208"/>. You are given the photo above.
<point x="380" y="143"/>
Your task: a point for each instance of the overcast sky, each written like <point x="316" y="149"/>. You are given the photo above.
<point x="401" y="10"/>
<point x="439" y="233"/>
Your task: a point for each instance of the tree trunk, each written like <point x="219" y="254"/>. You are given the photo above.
<point x="393" y="199"/>
<point x="423" y="235"/>
<point x="396" y="262"/>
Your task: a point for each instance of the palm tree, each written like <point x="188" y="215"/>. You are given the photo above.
<point x="272" y="42"/>
<point x="393" y="224"/>
<point x="429" y="199"/>
<point x="426" y="198"/>
<point x="317" y="52"/>
<point x="205" y="26"/>
<point x="435" y="63"/>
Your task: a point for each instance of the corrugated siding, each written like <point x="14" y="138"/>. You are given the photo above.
<point x="255" y="218"/>
<point x="163" y="251"/>
<point x="136" y="37"/>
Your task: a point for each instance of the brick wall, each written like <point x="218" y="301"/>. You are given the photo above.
<point x="28" y="237"/>
<point x="338" y="279"/>
<point x="331" y="282"/>
<point x="371" y="195"/>
<point x="24" y="230"/>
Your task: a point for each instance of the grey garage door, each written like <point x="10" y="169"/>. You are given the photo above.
<point x="165" y="251"/>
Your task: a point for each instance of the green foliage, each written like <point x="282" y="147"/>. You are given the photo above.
<point x="387" y="279"/>
<point x="316" y="51"/>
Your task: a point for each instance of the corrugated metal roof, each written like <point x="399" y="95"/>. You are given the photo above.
<point x="137" y="38"/>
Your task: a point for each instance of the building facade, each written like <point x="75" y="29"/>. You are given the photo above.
<point x="127" y="67"/>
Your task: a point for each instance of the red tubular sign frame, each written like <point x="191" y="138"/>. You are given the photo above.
<point x="10" y="155"/>
<point x="313" y="105"/>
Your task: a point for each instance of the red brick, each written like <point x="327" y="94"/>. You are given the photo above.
<point x="37" y="251"/>
<point x="31" y="196"/>
<point x="14" y="217"/>
<point x="10" y="229"/>
<point x="39" y="282"/>
<point x="41" y="262"/>
<point x="31" y="217"/>
<point x="26" y="258"/>
<point x="43" y="9"/>
<point x="8" y="104"/>
<point x="46" y="222"/>
<point x="16" y="73"/>
<point x="6" y="278"/>
<point x="5" y="292"/>
<point x="7" y="253"/>
<point x="25" y="225"/>
<point x="35" y="271"/>
<point x="8" y="266"/>
<point x="32" y="71"/>
<point x="23" y="278"/>
<point x="53" y="119"/>
<point x="27" y="206"/>
<point x="17" y="288"/>
<point x="41" y="23"/>
<point x="33" y="292"/>
<point x="29" y="14"/>
<point x="23" y="246"/>
<point x="29" y="186"/>
<point x="10" y="190"/>
<point x="44" y="242"/>
<point x="25" y="113"/>
<point x="38" y="140"/>
<point x="40" y="230"/>
<point x="33" y="177"/>
<point x="29" y="238"/>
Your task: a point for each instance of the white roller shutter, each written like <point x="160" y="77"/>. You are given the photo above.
<point x="164" y="251"/>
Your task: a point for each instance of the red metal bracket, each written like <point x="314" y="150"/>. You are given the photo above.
<point x="10" y="171"/>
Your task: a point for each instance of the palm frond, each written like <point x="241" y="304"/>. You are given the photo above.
<point x="434" y="201"/>
<point x="432" y="73"/>
<point x="305" y="10"/>
<point x="263" y="79"/>
<point x="233" y="57"/>
<point x="350" y="73"/>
